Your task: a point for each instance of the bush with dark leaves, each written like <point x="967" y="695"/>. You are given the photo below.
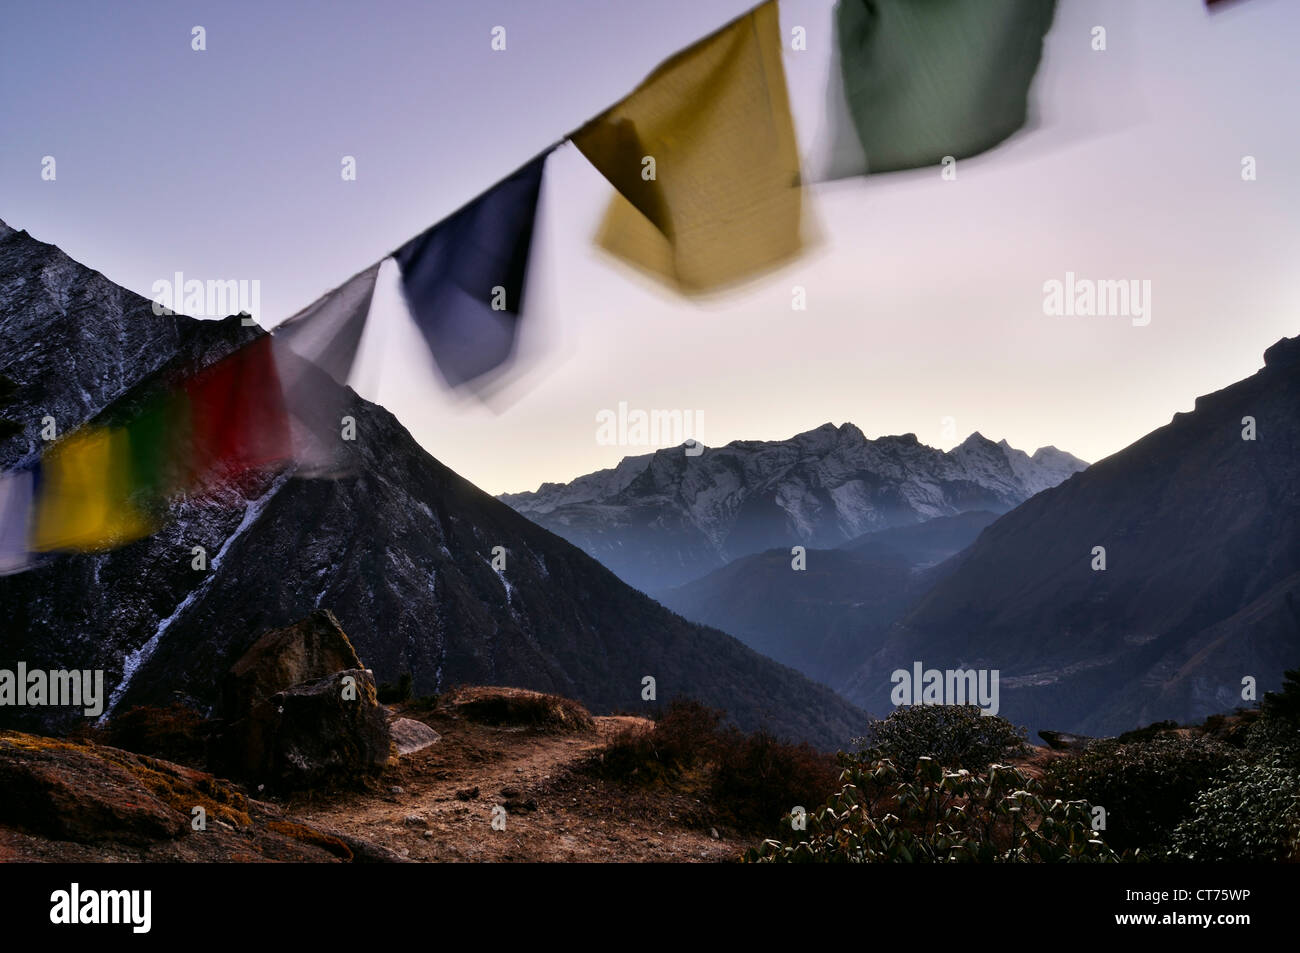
<point x="931" y="815"/>
<point x="955" y="736"/>
<point x="1147" y="788"/>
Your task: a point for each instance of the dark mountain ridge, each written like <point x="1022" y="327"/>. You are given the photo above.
<point x="1201" y="586"/>
<point x="827" y="619"/>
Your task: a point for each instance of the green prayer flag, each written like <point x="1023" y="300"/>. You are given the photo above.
<point x="925" y="79"/>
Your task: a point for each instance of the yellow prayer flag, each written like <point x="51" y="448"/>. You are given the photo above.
<point x="704" y="158"/>
<point x="83" y="497"/>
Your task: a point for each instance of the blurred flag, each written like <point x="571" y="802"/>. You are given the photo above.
<point x="158" y="442"/>
<point x="238" y="420"/>
<point x="924" y="80"/>
<point x="15" y="520"/>
<point x="704" y="159"/>
<point x="84" y="500"/>
<point x="464" y="278"/>
<point x="328" y="332"/>
<point x="322" y="340"/>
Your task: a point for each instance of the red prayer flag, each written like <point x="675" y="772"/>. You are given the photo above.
<point x="237" y="414"/>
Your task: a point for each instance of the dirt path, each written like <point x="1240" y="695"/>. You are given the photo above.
<point x="438" y="804"/>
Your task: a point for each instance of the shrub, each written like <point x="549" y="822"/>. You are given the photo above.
<point x="1251" y="814"/>
<point x="1149" y="732"/>
<point x="930" y="815"/>
<point x="174" y="733"/>
<point x="956" y="736"/>
<point x="751" y="780"/>
<point x="1274" y="736"/>
<point x="1286" y="703"/>
<point x="1147" y="788"/>
<point x="759" y="779"/>
<point x="685" y="734"/>
<point x="529" y="710"/>
<point x="394" y="694"/>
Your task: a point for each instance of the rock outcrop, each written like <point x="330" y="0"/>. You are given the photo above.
<point x="328" y="730"/>
<point x="307" y="650"/>
<point x="410" y="736"/>
<point x="300" y="710"/>
<point x="79" y="801"/>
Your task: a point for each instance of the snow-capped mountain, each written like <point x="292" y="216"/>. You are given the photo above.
<point x="662" y="519"/>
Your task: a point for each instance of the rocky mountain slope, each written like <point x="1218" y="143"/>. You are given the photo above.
<point x="829" y="618"/>
<point x="1201" y="586"/>
<point x="660" y="520"/>
<point x="400" y="551"/>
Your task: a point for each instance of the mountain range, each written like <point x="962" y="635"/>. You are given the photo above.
<point x="1160" y="583"/>
<point x="400" y="550"/>
<point x="662" y="519"/>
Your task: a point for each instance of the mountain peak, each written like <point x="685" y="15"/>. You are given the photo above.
<point x="1284" y="353"/>
<point x="977" y="439"/>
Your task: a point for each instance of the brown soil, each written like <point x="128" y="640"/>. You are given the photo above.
<point x="554" y="811"/>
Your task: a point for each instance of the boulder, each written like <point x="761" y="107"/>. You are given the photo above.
<point x="1064" y="741"/>
<point x="324" y="730"/>
<point x="411" y="736"/>
<point x="282" y="658"/>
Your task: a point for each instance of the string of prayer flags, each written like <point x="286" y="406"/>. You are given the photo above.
<point x="708" y="192"/>
<point x="704" y="160"/>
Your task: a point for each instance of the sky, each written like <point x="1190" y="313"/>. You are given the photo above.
<point x="925" y="298"/>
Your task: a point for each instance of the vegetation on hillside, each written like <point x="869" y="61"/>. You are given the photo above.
<point x="749" y="780"/>
<point x="930" y="784"/>
<point x="936" y="815"/>
<point x="955" y="736"/>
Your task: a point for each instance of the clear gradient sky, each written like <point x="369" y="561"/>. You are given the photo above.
<point x="925" y="297"/>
